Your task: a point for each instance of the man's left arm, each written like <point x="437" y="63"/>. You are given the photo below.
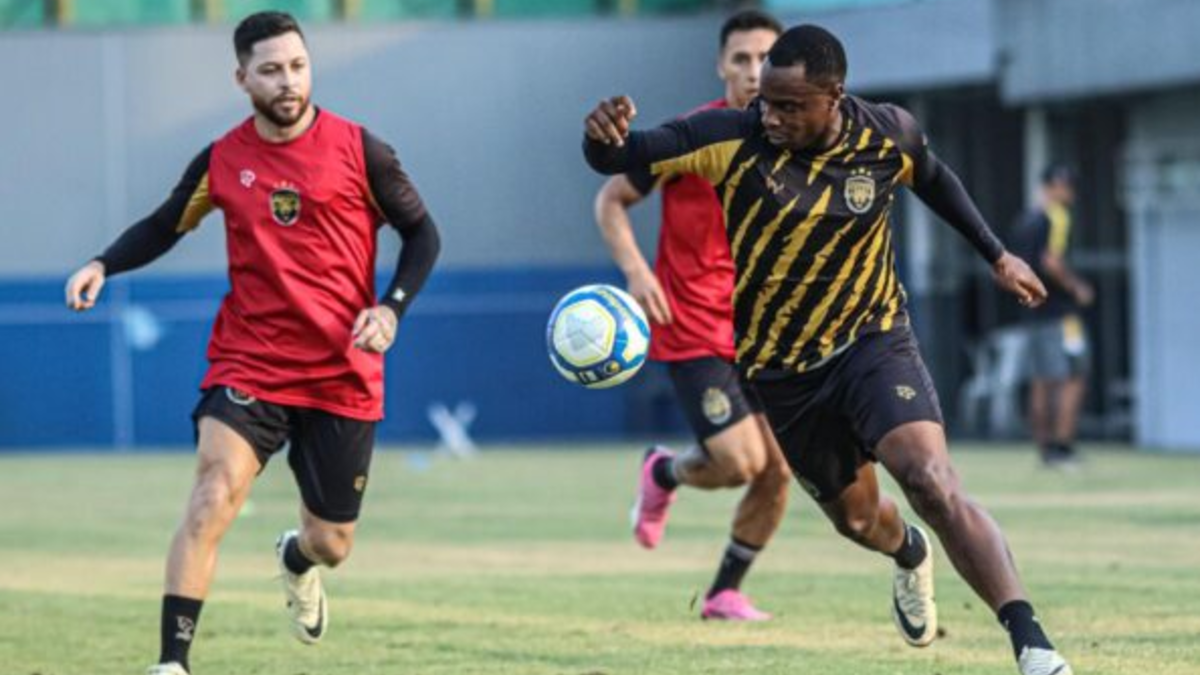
<point x="940" y="189"/>
<point x="399" y="203"/>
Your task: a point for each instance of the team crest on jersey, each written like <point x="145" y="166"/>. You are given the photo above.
<point x="716" y="406"/>
<point x="906" y="392"/>
<point x="285" y="205"/>
<point x="860" y="191"/>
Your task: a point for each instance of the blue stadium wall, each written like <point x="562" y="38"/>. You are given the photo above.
<point x="126" y="374"/>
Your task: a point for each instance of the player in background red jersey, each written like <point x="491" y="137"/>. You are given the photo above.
<point x="687" y="296"/>
<point x="296" y="354"/>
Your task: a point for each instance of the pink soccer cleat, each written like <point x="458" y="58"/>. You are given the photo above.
<point x="650" y="511"/>
<point x="731" y="605"/>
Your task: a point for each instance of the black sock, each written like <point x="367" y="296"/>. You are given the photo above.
<point x="294" y="559"/>
<point x="734" y="565"/>
<point x="1022" y="625"/>
<point x="913" y="551"/>
<point x="663" y="473"/>
<point x="179" y="618"/>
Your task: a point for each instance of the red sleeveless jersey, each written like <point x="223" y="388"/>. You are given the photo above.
<point x="300" y="229"/>
<point x="695" y="269"/>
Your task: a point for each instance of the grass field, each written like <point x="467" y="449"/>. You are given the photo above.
<point x="521" y="562"/>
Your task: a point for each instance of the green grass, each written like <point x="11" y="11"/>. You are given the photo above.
<point x="521" y="563"/>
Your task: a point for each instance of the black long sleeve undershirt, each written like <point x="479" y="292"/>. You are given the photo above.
<point x="941" y="190"/>
<point x="402" y="207"/>
<point x="933" y="182"/>
<point x="419" y="249"/>
<point x="151" y="237"/>
<point x="142" y="243"/>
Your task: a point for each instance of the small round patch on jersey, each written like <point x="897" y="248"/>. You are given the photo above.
<point x="239" y="397"/>
<point x="716" y="406"/>
<point x="360" y="483"/>
<point x="285" y="205"/>
<point x="906" y="392"/>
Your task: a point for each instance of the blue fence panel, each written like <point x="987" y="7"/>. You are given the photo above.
<point x="126" y="374"/>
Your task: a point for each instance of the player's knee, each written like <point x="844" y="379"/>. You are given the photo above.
<point x="331" y="546"/>
<point x="740" y="471"/>
<point x="774" y="480"/>
<point x="210" y="509"/>
<point x="931" y="489"/>
<point x="857" y="526"/>
<point x="730" y="466"/>
<point x="744" y="464"/>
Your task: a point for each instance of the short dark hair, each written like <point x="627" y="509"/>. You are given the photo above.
<point x="262" y="26"/>
<point x="1058" y="173"/>
<point x="748" y="20"/>
<point x="815" y="48"/>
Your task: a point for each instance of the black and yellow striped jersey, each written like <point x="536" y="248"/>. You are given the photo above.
<point x="809" y="231"/>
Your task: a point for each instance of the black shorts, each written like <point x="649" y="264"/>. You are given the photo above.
<point x="713" y="395"/>
<point x="330" y="455"/>
<point x="829" y="420"/>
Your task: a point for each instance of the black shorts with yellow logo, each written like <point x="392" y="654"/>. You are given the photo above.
<point x="714" y="396"/>
<point x="330" y="455"/>
<point x="830" y="419"/>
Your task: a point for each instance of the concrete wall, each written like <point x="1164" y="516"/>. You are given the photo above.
<point x="487" y="118"/>
<point x="914" y="45"/>
<point x="1055" y="49"/>
<point x="1163" y="194"/>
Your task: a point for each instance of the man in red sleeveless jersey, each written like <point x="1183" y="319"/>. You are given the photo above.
<point x="296" y="354"/>
<point x="688" y="298"/>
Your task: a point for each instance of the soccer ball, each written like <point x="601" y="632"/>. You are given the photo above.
<point x="597" y="336"/>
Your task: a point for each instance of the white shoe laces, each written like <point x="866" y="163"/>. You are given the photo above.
<point x="916" y="591"/>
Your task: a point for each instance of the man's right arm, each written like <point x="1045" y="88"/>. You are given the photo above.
<point x="613" y="201"/>
<point x="147" y="239"/>
<point x="154" y="235"/>
<point x="702" y="144"/>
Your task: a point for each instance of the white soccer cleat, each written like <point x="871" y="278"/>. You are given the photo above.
<point x="305" y="597"/>
<point x="172" y="668"/>
<point x="913" y="607"/>
<point x="1037" y="661"/>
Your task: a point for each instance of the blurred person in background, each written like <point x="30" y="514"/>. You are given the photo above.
<point x="1058" y="343"/>
<point x="688" y="297"/>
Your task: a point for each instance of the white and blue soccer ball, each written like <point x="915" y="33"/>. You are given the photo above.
<point x="598" y="336"/>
